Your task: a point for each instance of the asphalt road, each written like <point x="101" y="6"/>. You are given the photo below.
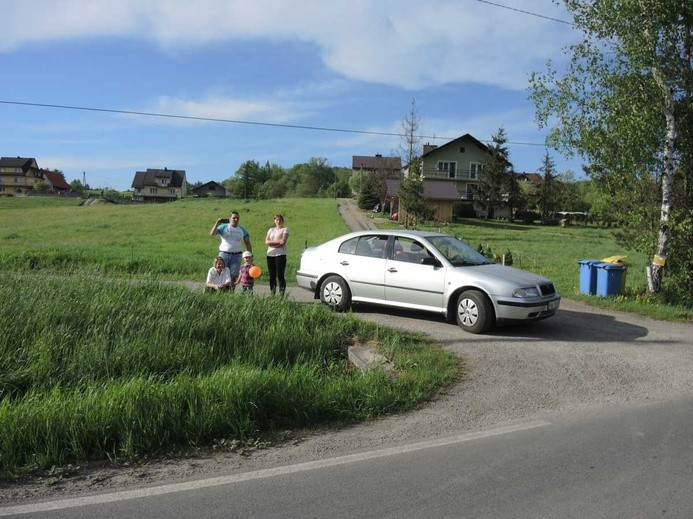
<point x="620" y="463"/>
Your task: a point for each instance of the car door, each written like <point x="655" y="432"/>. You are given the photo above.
<point x="362" y="264"/>
<point x="408" y="282"/>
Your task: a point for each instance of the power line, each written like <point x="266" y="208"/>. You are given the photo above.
<point x="525" y="12"/>
<point x="232" y="121"/>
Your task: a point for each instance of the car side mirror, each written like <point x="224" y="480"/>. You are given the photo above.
<point x="430" y="260"/>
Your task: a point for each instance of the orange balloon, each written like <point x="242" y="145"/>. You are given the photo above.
<point x="255" y="271"/>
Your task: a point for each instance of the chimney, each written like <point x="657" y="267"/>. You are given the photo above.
<point x="429" y="147"/>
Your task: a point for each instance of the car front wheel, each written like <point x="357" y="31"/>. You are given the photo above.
<point x="474" y="312"/>
<point x="335" y="293"/>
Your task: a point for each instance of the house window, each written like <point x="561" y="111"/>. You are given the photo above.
<point x="475" y="170"/>
<point x="152" y="190"/>
<point x="461" y="149"/>
<point x="172" y="191"/>
<point x="448" y="169"/>
<point x="163" y="182"/>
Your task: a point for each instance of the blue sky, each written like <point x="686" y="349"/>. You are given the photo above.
<point x="353" y="65"/>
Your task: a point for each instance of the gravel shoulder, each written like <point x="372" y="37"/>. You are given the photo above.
<point x="581" y="360"/>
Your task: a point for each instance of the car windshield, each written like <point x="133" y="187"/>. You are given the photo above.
<point x="457" y="252"/>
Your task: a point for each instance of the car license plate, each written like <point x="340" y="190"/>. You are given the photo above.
<point x="553" y="304"/>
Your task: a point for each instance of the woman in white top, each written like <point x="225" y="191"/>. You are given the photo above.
<point x="276" y="254"/>
<point x="219" y="276"/>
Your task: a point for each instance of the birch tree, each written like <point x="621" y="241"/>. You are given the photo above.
<point x="620" y="104"/>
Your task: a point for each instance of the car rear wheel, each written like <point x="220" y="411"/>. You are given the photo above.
<point x="474" y="312"/>
<point x="335" y="293"/>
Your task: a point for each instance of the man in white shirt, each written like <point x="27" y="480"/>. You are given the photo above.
<point x="233" y="236"/>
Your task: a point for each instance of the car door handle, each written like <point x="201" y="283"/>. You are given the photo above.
<point x="392" y="269"/>
<point x="344" y="263"/>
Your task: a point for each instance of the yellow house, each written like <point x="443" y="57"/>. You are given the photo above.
<point x="18" y="175"/>
<point x="159" y="185"/>
<point x="450" y="174"/>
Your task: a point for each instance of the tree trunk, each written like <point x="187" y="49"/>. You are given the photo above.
<point x="654" y="283"/>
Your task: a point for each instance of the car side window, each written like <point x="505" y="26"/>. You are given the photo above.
<point x="349" y="246"/>
<point x="372" y="246"/>
<point x="378" y="246"/>
<point x="408" y="250"/>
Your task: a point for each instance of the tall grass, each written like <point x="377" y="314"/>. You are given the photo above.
<point x="96" y="368"/>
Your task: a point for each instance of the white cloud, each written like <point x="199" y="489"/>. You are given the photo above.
<point x="227" y="108"/>
<point x="407" y="43"/>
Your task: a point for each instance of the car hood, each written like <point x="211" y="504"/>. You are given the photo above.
<point x="496" y="273"/>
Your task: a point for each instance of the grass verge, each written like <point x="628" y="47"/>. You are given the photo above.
<point x="90" y="370"/>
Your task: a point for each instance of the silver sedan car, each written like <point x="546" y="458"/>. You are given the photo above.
<point x="426" y="271"/>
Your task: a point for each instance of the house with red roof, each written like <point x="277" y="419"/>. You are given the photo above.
<point x="56" y="181"/>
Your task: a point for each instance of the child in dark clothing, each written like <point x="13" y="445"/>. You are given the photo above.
<point x="245" y="280"/>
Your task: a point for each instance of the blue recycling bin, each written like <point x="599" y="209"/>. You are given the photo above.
<point x="609" y="277"/>
<point x="588" y="276"/>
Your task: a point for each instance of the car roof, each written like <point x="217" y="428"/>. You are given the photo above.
<point x="395" y="232"/>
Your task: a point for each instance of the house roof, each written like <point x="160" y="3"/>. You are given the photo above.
<point x="149" y="178"/>
<point x="377" y="162"/>
<point x="429" y="149"/>
<point x="441" y="190"/>
<point x="215" y="186"/>
<point x="18" y="162"/>
<point x="535" y="178"/>
<point x="56" y="179"/>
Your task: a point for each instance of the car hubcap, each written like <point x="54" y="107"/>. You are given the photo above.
<point x="468" y="312"/>
<point x="332" y="294"/>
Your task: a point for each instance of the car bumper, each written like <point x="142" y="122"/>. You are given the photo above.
<point x="513" y="311"/>
<point x="307" y="281"/>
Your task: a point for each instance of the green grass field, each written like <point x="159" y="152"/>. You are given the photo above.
<point x="163" y="241"/>
<point x="171" y="241"/>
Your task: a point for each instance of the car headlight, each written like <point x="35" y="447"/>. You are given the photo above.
<point x="526" y="292"/>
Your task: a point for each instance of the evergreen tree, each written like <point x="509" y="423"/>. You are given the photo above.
<point x="548" y="195"/>
<point x="411" y="196"/>
<point x="494" y="183"/>
<point x="369" y="195"/>
<point x="516" y="198"/>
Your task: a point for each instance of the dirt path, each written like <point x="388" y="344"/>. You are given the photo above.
<point x="353" y="216"/>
